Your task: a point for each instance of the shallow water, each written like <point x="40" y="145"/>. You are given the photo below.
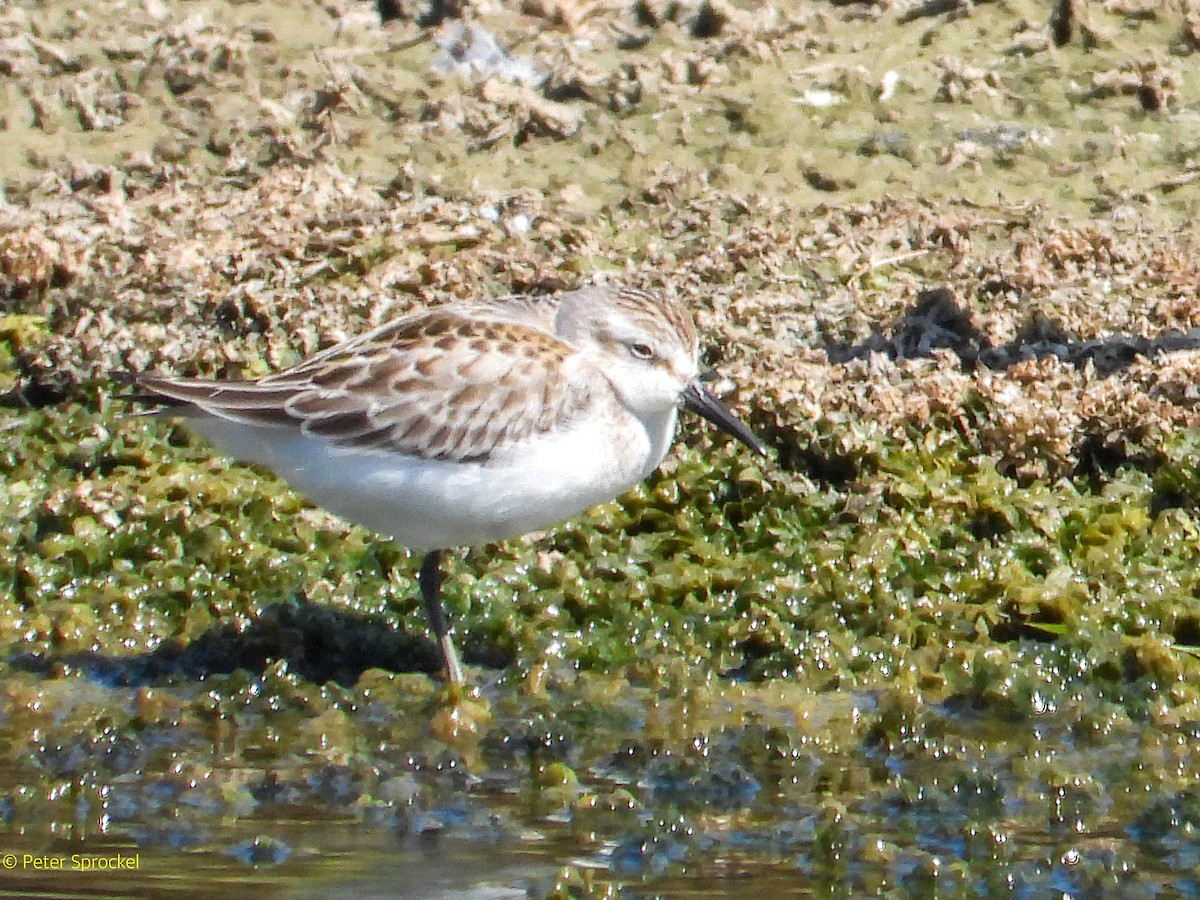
<point x="305" y="859"/>
<point x="724" y="790"/>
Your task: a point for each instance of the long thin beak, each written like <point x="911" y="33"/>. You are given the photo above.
<point x="699" y="399"/>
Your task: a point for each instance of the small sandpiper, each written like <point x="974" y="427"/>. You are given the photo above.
<point x="469" y="423"/>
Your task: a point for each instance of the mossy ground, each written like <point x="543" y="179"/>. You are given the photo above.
<point x="943" y="644"/>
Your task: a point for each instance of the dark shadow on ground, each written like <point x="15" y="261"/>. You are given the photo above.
<point x="319" y="643"/>
<point x="938" y="322"/>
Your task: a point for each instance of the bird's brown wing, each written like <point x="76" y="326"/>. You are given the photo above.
<point x="436" y="385"/>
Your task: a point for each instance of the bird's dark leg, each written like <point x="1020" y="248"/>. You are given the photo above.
<point x="430" y="578"/>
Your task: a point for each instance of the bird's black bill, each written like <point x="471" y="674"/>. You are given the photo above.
<point x="700" y="400"/>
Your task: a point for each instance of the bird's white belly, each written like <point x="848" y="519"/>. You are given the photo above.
<point x="431" y="504"/>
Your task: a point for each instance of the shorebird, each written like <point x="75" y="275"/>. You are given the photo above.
<point x="469" y="423"/>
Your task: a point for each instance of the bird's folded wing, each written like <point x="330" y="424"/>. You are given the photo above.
<point x="436" y="385"/>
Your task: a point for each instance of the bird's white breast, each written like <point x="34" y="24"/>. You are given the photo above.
<point x="432" y="504"/>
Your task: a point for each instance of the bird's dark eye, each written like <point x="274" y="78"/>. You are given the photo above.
<point x="641" y="351"/>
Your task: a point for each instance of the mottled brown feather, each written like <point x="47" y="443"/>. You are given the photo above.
<point x="389" y="390"/>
